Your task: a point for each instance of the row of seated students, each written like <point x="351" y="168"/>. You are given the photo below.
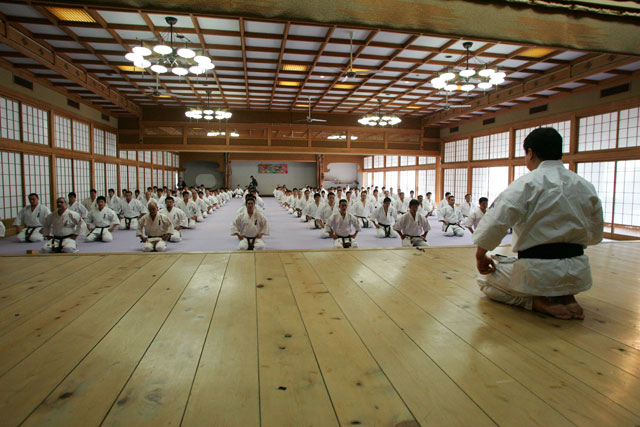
<point x="341" y="213"/>
<point x="158" y="217"/>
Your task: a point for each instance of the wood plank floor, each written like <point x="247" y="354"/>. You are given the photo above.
<point x="396" y="337"/>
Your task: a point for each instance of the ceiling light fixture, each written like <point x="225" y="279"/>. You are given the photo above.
<point x="208" y="112"/>
<point x="379" y="119"/>
<point x="218" y="132"/>
<point x="468" y="79"/>
<point x="164" y="57"/>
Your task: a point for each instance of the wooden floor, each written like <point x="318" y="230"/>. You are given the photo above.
<point x="362" y="337"/>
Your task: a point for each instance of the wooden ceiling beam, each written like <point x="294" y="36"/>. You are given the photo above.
<point x="21" y="40"/>
<point x="283" y="44"/>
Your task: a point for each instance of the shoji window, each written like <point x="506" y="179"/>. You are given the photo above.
<point x="11" y="181"/>
<point x="426" y="181"/>
<point x="98" y="141"/>
<point x="147" y="178"/>
<point x="407" y="181"/>
<point x="112" y="176"/>
<point x="99" y="179"/>
<point x="122" y="154"/>
<point x="124" y="177"/>
<point x="407" y="161"/>
<point x="81" y="136"/>
<point x="564" y="128"/>
<point x="62" y="132"/>
<point x="368" y="179"/>
<point x="368" y="162"/>
<point x="378" y="161"/>
<point x="519" y="171"/>
<point x="391" y="180"/>
<point x="488" y="182"/>
<point x="35" y="125"/>
<point x="167" y="158"/>
<point x="481" y="148"/>
<point x="37" y="177"/>
<point x="629" y="129"/>
<point x="602" y="176"/>
<point x="455" y="181"/>
<point x="424" y="160"/>
<point x="133" y="179"/>
<point x="132" y="155"/>
<point x="627" y="197"/>
<point x="81" y="178"/>
<point x="499" y="146"/>
<point x="156" y="177"/>
<point x="154" y="157"/>
<point x="147" y="156"/>
<point x="111" y="148"/>
<point x="167" y="179"/>
<point x="456" y="151"/>
<point x="9" y="119"/>
<point x="392" y="161"/>
<point x="378" y="180"/>
<point x="64" y="177"/>
<point x="597" y="132"/>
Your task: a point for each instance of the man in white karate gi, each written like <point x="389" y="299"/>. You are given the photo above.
<point x="189" y="208"/>
<point x="554" y="214"/>
<point x="466" y="207"/>
<point x="412" y="227"/>
<point x="310" y="211"/>
<point x="78" y="207"/>
<point x="102" y="221"/>
<point x="323" y="214"/>
<point x="29" y="221"/>
<point x="113" y="201"/>
<point x="343" y="227"/>
<point x="383" y="218"/>
<point x="90" y="202"/>
<point x="178" y="219"/>
<point x="451" y="217"/>
<point x="445" y="201"/>
<point x="428" y="204"/>
<point x="250" y="226"/>
<point x="154" y="230"/>
<point x="61" y="229"/>
<point x="402" y="204"/>
<point x="476" y="215"/>
<point x="362" y="210"/>
<point x="131" y="209"/>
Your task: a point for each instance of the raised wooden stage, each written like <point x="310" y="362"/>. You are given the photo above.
<point x="372" y="337"/>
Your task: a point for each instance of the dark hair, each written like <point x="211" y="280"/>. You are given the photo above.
<point x="316" y="195"/>
<point x="111" y="189"/>
<point x="483" y="199"/>
<point x="104" y="199"/>
<point x="450" y="196"/>
<point x="168" y="198"/>
<point x="93" y="190"/>
<point x="447" y="194"/>
<point x="467" y="195"/>
<point x="249" y="198"/>
<point x="414" y="202"/>
<point x="330" y="194"/>
<point x="185" y="192"/>
<point x="428" y="192"/>
<point x="387" y="200"/>
<point x="342" y="200"/>
<point x="72" y="194"/>
<point x="33" y="194"/>
<point x="546" y="143"/>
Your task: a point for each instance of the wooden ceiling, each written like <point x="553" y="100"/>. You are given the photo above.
<point x="254" y="59"/>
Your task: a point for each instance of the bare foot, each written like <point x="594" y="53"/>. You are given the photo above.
<point x="544" y="305"/>
<point x="572" y="305"/>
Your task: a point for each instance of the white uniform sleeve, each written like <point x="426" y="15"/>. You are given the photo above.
<point x="506" y="211"/>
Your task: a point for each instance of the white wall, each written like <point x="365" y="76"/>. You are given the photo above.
<point x="341" y="174"/>
<point x="299" y="174"/>
<point x="204" y="172"/>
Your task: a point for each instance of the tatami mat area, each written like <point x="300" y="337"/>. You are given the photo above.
<point x="394" y="337"/>
<point x="213" y="234"/>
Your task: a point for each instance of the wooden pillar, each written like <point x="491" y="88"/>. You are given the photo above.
<point x="227" y="170"/>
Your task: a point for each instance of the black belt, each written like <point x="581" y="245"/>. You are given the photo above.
<point x="29" y="231"/>
<point x="127" y="221"/>
<point x="346" y="241"/>
<point x="251" y="242"/>
<point x="553" y="251"/>
<point x="365" y="221"/>
<point x="101" y="231"/>
<point x="316" y="226"/>
<point x="59" y="239"/>
<point x="155" y="237"/>
<point x="387" y="230"/>
<point x="402" y="213"/>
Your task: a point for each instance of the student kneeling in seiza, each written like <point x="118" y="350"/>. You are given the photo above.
<point x="157" y="230"/>
<point x="340" y="227"/>
<point x="249" y="226"/>
<point x="104" y="221"/>
<point x="555" y="214"/>
<point x="413" y="227"/>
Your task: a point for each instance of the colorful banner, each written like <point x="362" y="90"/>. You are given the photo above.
<point x="272" y="168"/>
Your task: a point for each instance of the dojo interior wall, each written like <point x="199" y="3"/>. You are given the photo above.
<point x="298" y="174"/>
<point x="51" y="150"/>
